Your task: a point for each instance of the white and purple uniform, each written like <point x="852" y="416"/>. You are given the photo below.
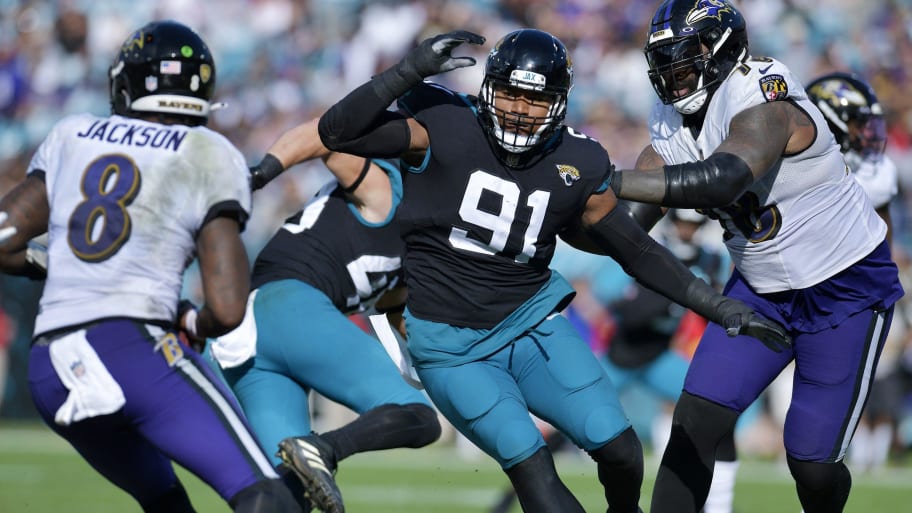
<point x="809" y="252"/>
<point x="127" y="199"/>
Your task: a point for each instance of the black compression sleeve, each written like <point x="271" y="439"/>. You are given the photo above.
<point x="360" y="124"/>
<point x="715" y="182"/>
<point x="643" y="214"/>
<point x="654" y="266"/>
<point x="641" y="256"/>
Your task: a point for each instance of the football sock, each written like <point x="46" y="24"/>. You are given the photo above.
<point x="620" y="470"/>
<point x="538" y="486"/>
<point x="385" y="427"/>
<point x="822" y="487"/>
<point x="722" y="491"/>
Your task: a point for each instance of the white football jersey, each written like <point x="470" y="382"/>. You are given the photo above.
<point x="127" y="198"/>
<point x="877" y="175"/>
<point x="805" y="220"/>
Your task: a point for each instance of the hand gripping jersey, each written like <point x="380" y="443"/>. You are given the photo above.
<point x="807" y="218"/>
<point x="480" y="235"/>
<point x="331" y="247"/>
<point x="127" y="199"/>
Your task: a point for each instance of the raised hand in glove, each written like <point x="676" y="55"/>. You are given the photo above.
<point x="740" y="319"/>
<point x="434" y="55"/>
<point x="431" y="57"/>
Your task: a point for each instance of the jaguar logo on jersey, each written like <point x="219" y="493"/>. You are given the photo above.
<point x="707" y="9"/>
<point x="568" y="174"/>
<point x="774" y="87"/>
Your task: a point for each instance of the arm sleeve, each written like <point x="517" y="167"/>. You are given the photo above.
<point x="654" y="266"/>
<point x="360" y="124"/>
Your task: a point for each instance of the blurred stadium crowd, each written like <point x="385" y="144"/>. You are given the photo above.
<point x="280" y="62"/>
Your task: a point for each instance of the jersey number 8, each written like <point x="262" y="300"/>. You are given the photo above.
<point x="100" y="225"/>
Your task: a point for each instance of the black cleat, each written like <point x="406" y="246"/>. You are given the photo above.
<point x="302" y="454"/>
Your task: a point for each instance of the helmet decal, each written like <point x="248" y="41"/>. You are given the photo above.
<point x="707" y="9"/>
<point x="137" y="40"/>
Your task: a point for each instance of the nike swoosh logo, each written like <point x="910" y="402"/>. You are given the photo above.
<point x="764" y="70"/>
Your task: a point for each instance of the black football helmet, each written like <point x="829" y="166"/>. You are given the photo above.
<point x="852" y="111"/>
<point x="530" y="60"/>
<point x="164" y="67"/>
<point x="691" y="48"/>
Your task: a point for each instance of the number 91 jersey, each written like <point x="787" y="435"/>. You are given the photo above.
<point x="127" y="198"/>
<point x="480" y="235"/>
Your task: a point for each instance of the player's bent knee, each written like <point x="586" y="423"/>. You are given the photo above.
<point x="817" y="476"/>
<point x="265" y="495"/>
<point x="624" y="450"/>
<point x="427" y="425"/>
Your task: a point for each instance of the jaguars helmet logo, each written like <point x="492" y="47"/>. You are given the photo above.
<point x="708" y="9"/>
<point x="568" y="174"/>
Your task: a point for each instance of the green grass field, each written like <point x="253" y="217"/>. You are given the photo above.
<point x="40" y="473"/>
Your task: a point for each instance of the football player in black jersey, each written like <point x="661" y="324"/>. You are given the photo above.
<point x="493" y="181"/>
<point x="340" y="255"/>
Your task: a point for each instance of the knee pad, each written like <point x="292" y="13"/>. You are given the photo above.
<point x="822" y="487"/>
<point x="427" y="426"/>
<point x="265" y="495"/>
<point x="175" y="500"/>
<point x="819" y="476"/>
<point x="703" y="420"/>
<point x="624" y="451"/>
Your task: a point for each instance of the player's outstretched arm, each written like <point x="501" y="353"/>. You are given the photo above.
<point x="24" y="214"/>
<point x="299" y="144"/>
<point x="658" y="269"/>
<point x="748" y="153"/>
<point x="360" y="123"/>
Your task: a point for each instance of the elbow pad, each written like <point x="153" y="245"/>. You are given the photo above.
<point x="715" y="182"/>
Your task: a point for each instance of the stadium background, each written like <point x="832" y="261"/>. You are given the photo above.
<point x="280" y="62"/>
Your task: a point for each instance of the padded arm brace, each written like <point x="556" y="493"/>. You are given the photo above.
<point x="715" y="182"/>
<point x="654" y="266"/>
<point x="360" y="124"/>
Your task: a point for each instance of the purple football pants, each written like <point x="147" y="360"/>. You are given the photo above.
<point x="838" y="329"/>
<point x="175" y="410"/>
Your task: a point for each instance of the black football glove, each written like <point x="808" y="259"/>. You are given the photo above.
<point x="740" y="319"/>
<point x="434" y="55"/>
<point x="263" y="173"/>
<point x="431" y="57"/>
